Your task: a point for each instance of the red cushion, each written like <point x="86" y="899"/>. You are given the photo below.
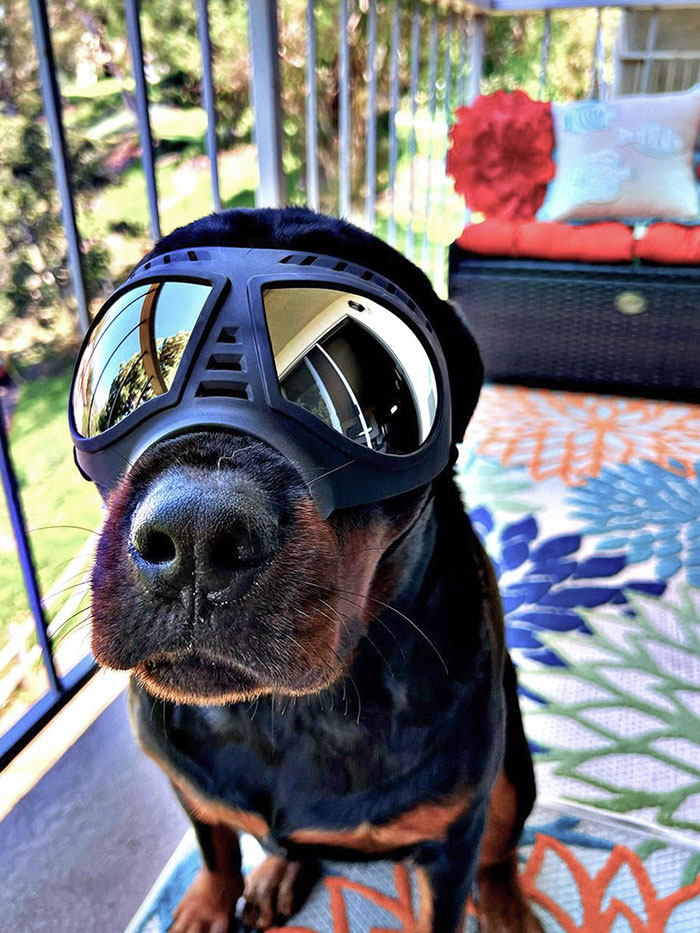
<point x="558" y="242"/>
<point x="603" y="242"/>
<point x="671" y="244"/>
<point x="490" y="238"/>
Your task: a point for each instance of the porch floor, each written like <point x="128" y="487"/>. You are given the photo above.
<point x="81" y="850"/>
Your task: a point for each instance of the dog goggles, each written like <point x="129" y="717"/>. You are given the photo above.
<point x="329" y="363"/>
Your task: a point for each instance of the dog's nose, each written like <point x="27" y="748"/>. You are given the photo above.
<point x="206" y="529"/>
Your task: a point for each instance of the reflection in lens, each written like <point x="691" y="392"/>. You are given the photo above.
<point x="353" y="364"/>
<point x="134" y="352"/>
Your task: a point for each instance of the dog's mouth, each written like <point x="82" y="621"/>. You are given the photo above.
<point x="195" y="676"/>
<point x="198" y="677"/>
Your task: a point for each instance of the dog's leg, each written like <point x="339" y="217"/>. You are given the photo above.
<point x="276" y="889"/>
<point x="209" y="903"/>
<point x="502" y="904"/>
<point x="446" y="873"/>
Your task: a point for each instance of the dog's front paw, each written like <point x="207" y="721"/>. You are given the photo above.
<point x="208" y="905"/>
<point x="275" y="890"/>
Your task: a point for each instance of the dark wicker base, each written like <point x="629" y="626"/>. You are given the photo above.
<point x="561" y="324"/>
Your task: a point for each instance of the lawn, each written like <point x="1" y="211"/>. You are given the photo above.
<point x="60" y="507"/>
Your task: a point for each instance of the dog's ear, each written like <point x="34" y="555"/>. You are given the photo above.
<point x="466" y="371"/>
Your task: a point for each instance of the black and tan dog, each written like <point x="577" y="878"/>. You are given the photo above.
<point x="353" y="698"/>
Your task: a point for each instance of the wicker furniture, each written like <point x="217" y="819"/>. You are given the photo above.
<point x="631" y="328"/>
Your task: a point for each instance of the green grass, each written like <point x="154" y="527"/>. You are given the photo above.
<point x="184" y="188"/>
<point x="105" y="87"/>
<point x="53" y="493"/>
<point x="170" y="124"/>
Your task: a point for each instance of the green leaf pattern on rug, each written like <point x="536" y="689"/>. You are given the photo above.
<point x="619" y="727"/>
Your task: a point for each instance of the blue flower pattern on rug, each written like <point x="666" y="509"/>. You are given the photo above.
<point x="551" y="584"/>
<point x="649" y="511"/>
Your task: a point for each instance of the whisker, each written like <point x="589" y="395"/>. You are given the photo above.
<point x="64" y="589"/>
<point x="62" y="563"/>
<point x="415" y="626"/>
<point x="372" y="615"/>
<point x="403" y="616"/>
<point x="85" y="570"/>
<point x="347" y="674"/>
<point x="64" y="631"/>
<point x="74" y="614"/>
<point x="233" y="457"/>
<point x="366" y="635"/>
<point x="328" y="472"/>
<point x="54" y="527"/>
<point x="254" y="703"/>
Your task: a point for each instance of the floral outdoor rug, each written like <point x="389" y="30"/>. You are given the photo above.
<point x="590" y="509"/>
<point x="580" y="875"/>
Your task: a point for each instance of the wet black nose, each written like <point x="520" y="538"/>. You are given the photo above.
<point x="206" y="529"/>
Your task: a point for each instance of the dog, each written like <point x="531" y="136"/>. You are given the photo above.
<point x="354" y="698"/>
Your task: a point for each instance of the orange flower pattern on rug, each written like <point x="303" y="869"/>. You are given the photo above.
<point x="597" y="916"/>
<point x="571" y="435"/>
<point x="400" y="906"/>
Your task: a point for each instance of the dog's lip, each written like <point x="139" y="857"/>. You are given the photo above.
<point x="191" y="660"/>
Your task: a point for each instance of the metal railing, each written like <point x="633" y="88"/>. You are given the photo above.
<point x="60" y="688"/>
<point x="423" y="59"/>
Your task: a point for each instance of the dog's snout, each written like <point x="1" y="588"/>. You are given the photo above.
<point x="203" y="529"/>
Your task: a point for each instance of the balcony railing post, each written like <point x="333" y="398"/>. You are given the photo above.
<point x="24" y="552"/>
<point x="52" y="108"/>
<point x="343" y="111"/>
<point x="371" y="161"/>
<point x="412" y="139"/>
<point x="209" y="99"/>
<point x="133" y="29"/>
<point x="651" y="45"/>
<point x="477" y="48"/>
<point x="544" y="51"/>
<point x="265" y="93"/>
<point x="394" y="106"/>
<point x="312" y="188"/>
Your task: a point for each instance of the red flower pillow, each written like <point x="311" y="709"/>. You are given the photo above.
<point x="501" y="155"/>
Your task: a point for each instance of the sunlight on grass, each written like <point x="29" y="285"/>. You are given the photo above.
<point x="105" y="87"/>
<point x="53" y="493"/>
<point x="167" y="123"/>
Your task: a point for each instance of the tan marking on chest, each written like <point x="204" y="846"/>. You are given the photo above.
<point x="426" y="822"/>
<point x="503" y="813"/>
<point x="215" y="813"/>
<point x="202" y="808"/>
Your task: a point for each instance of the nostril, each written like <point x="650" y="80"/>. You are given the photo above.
<point x="229" y="552"/>
<point x="156" y="547"/>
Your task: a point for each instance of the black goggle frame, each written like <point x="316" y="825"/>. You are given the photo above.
<point x="246" y="398"/>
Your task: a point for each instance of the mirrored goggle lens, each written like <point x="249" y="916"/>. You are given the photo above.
<point x="133" y="354"/>
<point x="354" y="364"/>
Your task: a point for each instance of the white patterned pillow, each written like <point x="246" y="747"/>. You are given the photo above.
<point x="631" y="157"/>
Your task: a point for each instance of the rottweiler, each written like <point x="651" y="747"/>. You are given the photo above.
<point x="352" y="697"/>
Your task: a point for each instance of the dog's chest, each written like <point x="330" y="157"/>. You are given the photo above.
<point x="299" y="769"/>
